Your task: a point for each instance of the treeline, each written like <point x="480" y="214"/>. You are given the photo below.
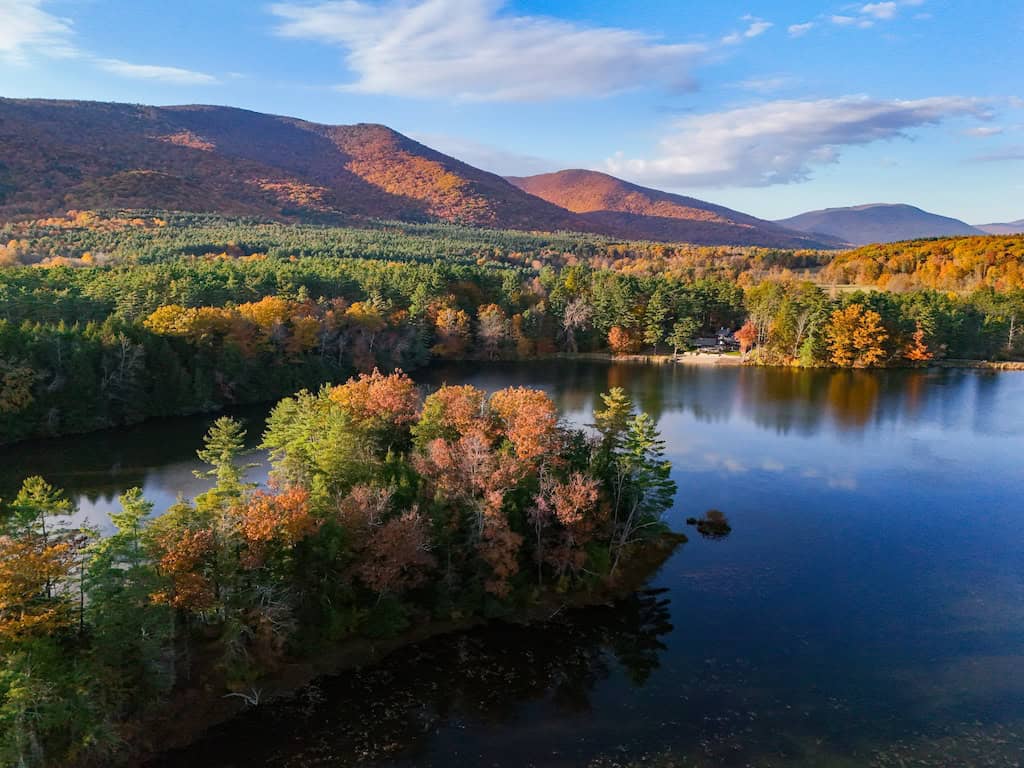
<point x="87" y="348"/>
<point x="946" y="264"/>
<point x="129" y="237"/>
<point x="799" y="323"/>
<point x="383" y="512"/>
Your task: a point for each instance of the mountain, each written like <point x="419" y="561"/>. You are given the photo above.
<point x="878" y="223"/>
<point x="59" y="155"/>
<point x="629" y="211"/>
<point x="1009" y="228"/>
<point x="62" y="155"/>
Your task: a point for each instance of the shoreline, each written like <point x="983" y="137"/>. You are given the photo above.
<point x="695" y="359"/>
<point x="211" y="701"/>
<point x="732" y="360"/>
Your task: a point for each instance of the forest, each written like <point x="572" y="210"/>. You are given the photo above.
<point x="945" y="264"/>
<point x="148" y="316"/>
<point x="384" y="510"/>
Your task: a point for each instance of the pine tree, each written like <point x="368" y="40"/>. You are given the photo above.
<point x="222" y="446"/>
<point x="646" y="487"/>
<point x="130" y="632"/>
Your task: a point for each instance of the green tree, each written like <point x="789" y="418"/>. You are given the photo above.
<point x="131" y="634"/>
<point x="683" y="333"/>
<point x="222" y="447"/>
<point x="646" y="489"/>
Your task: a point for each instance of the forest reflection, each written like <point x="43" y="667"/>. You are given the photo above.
<point x="159" y="456"/>
<point x="394" y="709"/>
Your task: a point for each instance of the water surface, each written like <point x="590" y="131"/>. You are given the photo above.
<point x="866" y="610"/>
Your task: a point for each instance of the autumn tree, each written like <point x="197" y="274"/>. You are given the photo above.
<point x="383" y="405"/>
<point x="576" y="318"/>
<point x="917" y="350"/>
<point x="564" y="518"/>
<point x="623" y="341"/>
<point x="272" y="524"/>
<point x="856" y="337"/>
<point x="529" y="421"/>
<point x="452" y="331"/>
<point x="184" y="546"/>
<point x="391" y="549"/>
<point x="492" y="330"/>
<point x="746" y="336"/>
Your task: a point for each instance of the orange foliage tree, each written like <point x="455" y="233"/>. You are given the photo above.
<point x="382" y="404"/>
<point x="746" y="336"/>
<point x="917" y="350"/>
<point x="623" y="341"/>
<point x="856" y="337"/>
<point x="452" y="330"/>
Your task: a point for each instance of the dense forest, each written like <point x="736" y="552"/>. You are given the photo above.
<point x="384" y="511"/>
<point x="945" y="264"/>
<point x="121" y="319"/>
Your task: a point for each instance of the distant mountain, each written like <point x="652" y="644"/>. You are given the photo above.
<point x="57" y="155"/>
<point x="629" y="211"/>
<point x="1009" y="228"/>
<point x="878" y="223"/>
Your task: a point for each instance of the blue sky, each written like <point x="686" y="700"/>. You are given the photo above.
<point x="769" y="107"/>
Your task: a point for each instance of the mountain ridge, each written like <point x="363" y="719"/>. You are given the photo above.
<point x="1003" y="228"/>
<point x="637" y="212"/>
<point x="878" y="223"/>
<point x="61" y="155"/>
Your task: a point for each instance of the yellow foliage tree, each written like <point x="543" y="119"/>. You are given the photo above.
<point x="856" y="337"/>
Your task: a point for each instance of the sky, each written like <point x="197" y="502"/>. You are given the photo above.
<point x="772" y="108"/>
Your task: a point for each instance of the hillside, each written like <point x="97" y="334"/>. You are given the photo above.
<point x="1008" y="228"/>
<point x="626" y="210"/>
<point x="947" y="264"/>
<point x="75" y="155"/>
<point x="60" y="155"/>
<point x="878" y="223"/>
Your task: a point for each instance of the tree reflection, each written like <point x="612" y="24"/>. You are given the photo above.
<point x="486" y="675"/>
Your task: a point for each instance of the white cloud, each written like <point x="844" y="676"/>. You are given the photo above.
<point x="883" y="11"/>
<point x="799" y="30"/>
<point x="487" y="156"/>
<point x="780" y="142"/>
<point x="173" y="75"/>
<point x="470" y="50"/>
<point x="765" y="84"/>
<point x="25" y="27"/>
<point x="755" y="28"/>
<point x="852" y="21"/>
<point x="982" y="131"/>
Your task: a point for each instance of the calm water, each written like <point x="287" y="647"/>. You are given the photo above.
<point x="867" y="609"/>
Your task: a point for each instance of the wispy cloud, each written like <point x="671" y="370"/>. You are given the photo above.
<point x="799" y="30"/>
<point x="765" y="84"/>
<point x="882" y="11"/>
<point x="174" y="75"/>
<point x="843" y="20"/>
<point x="1008" y="154"/>
<point x="26" y="28"/>
<point x="867" y="15"/>
<point x="983" y="131"/>
<point x="755" y="28"/>
<point x="471" y="50"/>
<point x="780" y="142"/>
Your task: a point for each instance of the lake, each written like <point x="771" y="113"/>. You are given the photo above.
<point x="866" y="610"/>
